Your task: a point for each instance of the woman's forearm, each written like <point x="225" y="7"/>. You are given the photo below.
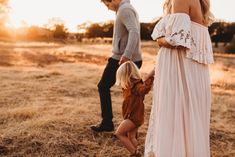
<point x="163" y="43"/>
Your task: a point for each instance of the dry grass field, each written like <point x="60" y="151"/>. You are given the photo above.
<point x="49" y="99"/>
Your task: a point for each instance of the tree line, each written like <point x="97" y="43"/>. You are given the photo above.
<point x="220" y="32"/>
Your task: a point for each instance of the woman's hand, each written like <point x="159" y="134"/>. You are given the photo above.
<point x="163" y="43"/>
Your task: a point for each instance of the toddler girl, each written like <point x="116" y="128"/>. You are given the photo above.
<point x="134" y="90"/>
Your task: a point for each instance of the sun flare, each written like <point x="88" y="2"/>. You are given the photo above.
<point x="75" y="12"/>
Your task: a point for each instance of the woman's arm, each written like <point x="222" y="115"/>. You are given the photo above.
<point x="178" y="6"/>
<point x="163" y="43"/>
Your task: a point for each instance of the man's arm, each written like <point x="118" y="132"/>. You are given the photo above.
<point x="128" y="18"/>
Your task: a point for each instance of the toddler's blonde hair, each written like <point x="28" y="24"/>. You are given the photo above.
<point x="126" y="73"/>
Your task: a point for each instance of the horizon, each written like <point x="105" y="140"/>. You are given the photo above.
<point x="72" y="13"/>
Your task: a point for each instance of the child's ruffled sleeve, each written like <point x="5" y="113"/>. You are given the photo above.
<point x="178" y="30"/>
<point x="142" y="89"/>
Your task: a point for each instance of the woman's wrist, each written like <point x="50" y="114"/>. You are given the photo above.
<point x="163" y="43"/>
<point x="159" y="41"/>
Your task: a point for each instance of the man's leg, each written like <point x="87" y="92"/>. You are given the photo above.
<point x="107" y="81"/>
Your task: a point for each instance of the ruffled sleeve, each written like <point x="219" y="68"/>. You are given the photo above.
<point x="159" y="29"/>
<point x="178" y="30"/>
<point x="201" y="46"/>
<point x="144" y="87"/>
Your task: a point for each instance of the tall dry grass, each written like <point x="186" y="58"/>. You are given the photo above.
<point x="49" y="99"/>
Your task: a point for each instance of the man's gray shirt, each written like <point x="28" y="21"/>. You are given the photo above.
<point x="126" y="35"/>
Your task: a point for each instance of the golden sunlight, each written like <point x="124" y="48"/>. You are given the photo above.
<point x="72" y="12"/>
<point x="75" y="12"/>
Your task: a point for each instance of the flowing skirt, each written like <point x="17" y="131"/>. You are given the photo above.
<point x="180" y="116"/>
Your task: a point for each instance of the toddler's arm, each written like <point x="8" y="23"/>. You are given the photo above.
<point x="146" y="86"/>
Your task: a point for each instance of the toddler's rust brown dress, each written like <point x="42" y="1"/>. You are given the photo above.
<point x="133" y="105"/>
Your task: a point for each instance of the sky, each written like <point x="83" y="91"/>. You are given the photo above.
<point x="74" y="12"/>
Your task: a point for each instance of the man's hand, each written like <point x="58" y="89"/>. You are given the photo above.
<point x="123" y="60"/>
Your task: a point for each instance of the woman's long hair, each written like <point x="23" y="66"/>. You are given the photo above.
<point x="167" y="6"/>
<point x="207" y="15"/>
<point x="205" y="8"/>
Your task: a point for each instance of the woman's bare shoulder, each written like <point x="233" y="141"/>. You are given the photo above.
<point x="180" y="6"/>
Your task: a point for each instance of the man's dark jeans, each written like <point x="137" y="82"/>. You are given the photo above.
<point x="108" y="79"/>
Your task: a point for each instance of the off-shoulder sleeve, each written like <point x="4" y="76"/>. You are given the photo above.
<point x="178" y="30"/>
<point x="159" y="29"/>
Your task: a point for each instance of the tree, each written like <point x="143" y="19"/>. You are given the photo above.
<point x="53" y="22"/>
<point x="146" y="30"/>
<point x="231" y="46"/>
<point x="4" y="9"/>
<point x="108" y="29"/>
<point x="222" y="32"/>
<point x="60" y="32"/>
<point x="38" y="33"/>
<point x="57" y="26"/>
<point x="95" y="30"/>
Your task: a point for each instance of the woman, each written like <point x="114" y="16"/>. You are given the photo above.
<point x="180" y="115"/>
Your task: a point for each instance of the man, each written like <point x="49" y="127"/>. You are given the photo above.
<point x="125" y="46"/>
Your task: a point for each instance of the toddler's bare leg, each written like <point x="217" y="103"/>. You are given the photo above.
<point x="122" y="131"/>
<point x="132" y="137"/>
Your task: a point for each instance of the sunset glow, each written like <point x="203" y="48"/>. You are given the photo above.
<point x="74" y="12"/>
